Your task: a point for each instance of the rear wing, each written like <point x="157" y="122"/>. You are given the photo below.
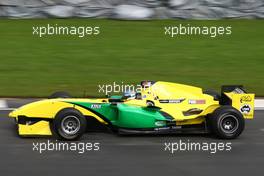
<point x="236" y="96"/>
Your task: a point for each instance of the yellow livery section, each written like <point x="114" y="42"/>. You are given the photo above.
<point x="41" y="128"/>
<point x="244" y="103"/>
<point x="167" y="89"/>
<point x="49" y="108"/>
<point x="184" y="98"/>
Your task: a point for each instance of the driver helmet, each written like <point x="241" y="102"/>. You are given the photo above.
<point x="129" y="95"/>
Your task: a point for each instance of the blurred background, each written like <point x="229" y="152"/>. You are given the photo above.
<point x="133" y="9"/>
<point x="131" y="45"/>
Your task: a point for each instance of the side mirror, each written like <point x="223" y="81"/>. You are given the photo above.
<point x="150" y="103"/>
<point x="152" y="108"/>
<point x="138" y="96"/>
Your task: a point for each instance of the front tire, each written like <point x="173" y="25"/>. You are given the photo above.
<point x="227" y="122"/>
<point x="69" y="124"/>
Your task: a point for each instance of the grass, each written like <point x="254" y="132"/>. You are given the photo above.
<point x="128" y="52"/>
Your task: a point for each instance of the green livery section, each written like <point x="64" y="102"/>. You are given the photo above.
<point x="127" y="116"/>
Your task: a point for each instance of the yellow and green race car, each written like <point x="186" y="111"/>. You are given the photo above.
<point x="158" y="108"/>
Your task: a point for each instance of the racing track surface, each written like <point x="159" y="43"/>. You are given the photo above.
<point x="135" y="155"/>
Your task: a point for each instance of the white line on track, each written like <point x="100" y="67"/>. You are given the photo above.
<point x="3" y="104"/>
<point x="7" y="109"/>
<point x="259" y="104"/>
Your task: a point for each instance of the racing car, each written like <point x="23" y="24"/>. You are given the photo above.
<point x="157" y="108"/>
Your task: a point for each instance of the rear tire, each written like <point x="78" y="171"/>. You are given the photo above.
<point x="226" y="122"/>
<point x="69" y="124"/>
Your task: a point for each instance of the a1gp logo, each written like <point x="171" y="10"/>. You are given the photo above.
<point x="96" y="106"/>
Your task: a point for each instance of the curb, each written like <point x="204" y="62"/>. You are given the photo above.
<point x="10" y="104"/>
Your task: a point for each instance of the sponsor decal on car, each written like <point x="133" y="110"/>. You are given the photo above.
<point x="96" y="106"/>
<point x="245" y="109"/>
<point x="202" y="101"/>
<point x="160" y="123"/>
<point x="172" y="100"/>
<point x="162" y="128"/>
<point x="245" y="99"/>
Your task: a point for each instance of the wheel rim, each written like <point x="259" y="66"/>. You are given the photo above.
<point x="70" y="125"/>
<point x="150" y="103"/>
<point x="229" y="123"/>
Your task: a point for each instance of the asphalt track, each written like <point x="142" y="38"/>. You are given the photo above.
<point x="134" y="155"/>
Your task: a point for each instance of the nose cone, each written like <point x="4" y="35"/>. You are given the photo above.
<point x="13" y="114"/>
<point x="25" y="110"/>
